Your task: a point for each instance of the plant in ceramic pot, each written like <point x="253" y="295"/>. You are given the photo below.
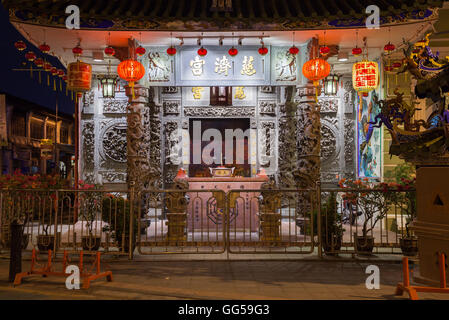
<point x="374" y="201"/>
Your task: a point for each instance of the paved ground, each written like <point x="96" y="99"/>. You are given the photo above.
<point x="218" y="280"/>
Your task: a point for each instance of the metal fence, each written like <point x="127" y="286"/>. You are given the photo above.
<point x="209" y="221"/>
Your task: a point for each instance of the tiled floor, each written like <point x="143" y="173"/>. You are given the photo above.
<point x="219" y="280"/>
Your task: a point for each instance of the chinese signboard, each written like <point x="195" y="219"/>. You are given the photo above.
<point x="218" y="68"/>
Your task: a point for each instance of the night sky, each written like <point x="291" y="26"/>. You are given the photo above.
<point x="19" y="83"/>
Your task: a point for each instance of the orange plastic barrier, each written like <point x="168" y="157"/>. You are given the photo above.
<point x="413" y="290"/>
<point x="48" y="270"/>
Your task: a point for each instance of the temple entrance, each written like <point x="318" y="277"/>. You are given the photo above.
<point x="219" y="143"/>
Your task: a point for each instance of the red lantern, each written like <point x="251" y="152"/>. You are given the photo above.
<point x="202" y="51"/>
<point x="20" y="45"/>
<point x="54" y="71"/>
<point x="397" y="65"/>
<point x="140" y="51"/>
<point x="30" y="56"/>
<point x="233" y="52"/>
<point x="77" y="51"/>
<point x="64" y="77"/>
<point x="45" y="48"/>
<point x="79" y="76"/>
<point x="389" y="47"/>
<point x="357" y="51"/>
<point x="131" y="71"/>
<point x="316" y="69"/>
<point x="388" y="68"/>
<point x="325" y="50"/>
<point x="171" y="51"/>
<point x="47" y="66"/>
<point x="61" y="73"/>
<point x="109" y="51"/>
<point x="365" y="94"/>
<point x="263" y="50"/>
<point x="293" y="50"/>
<point x="39" y="62"/>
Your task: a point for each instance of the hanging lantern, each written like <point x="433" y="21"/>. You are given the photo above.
<point x="316" y="70"/>
<point x="79" y="76"/>
<point x="324" y="50"/>
<point x="365" y="76"/>
<point x="293" y="50"/>
<point x="389" y="47"/>
<point x="108" y="84"/>
<point x="20" y="45"/>
<point x="30" y="56"/>
<point x="39" y="62"/>
<point x="140" y="51"/>
<point x="331" y="85"/>
<point x="388" y="68"/>
<point x="77" y="51"/>
<point x="47" y="66"/>
<point x="131" y="71"/>
<point x="263" y="50"/>
<point x="233" y="52"/>
<point x="109" y="51"/>
<point x="171" y="51"/>
<point x="65" y="78"/>
<point x="54" y="71"/>
<point x="356" y="51"/>
<point x="396" y="65"/>
<point x="202" y="51"/>
<point x="61" y="73"/>
<point x="45" y="48"/>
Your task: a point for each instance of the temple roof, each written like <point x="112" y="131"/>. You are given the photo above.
<point x="197" y="15"/>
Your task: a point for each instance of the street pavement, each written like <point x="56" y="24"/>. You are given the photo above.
<point x="309" y="280"/>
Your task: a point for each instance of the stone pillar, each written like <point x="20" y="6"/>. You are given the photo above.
<point x="308" y="146"/>
<point x="308" y="137"/>
<point x="137" y="145"/>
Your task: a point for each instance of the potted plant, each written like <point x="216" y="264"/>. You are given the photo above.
<point x="90" y="210"/>
<point x="39" y="205"/>
<point x="374" y="201"/>
<point x="331" y="227"/>
<point x="404" y="176"/>
<point x="116" y="213"/>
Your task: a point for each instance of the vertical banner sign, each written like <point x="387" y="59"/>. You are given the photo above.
<point x="3" y="132"/>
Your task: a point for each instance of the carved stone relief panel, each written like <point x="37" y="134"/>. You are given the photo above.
<point x="219" y="111"/>
<point x="330" y="144"/>
<point x="113" y="177"/>
<point x="171" y="136"/>
<point x="171" y="107"/>
<point x="349" y="131"/>
<point x="267" y="138"/>
<point x="113" y="141"/>
<point x="170" y="90"/>
<point x="267" y="108"/>
<point x="114" y="106"/>
<point x="348" y="96"/>
<point x="328" y="105"/>
<point x="88" y="136"/>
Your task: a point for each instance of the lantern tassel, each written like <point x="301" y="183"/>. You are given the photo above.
<point x="131" y="84"/>
<point x="40" y="77"/>
<point x="31" y="71"/>
<point x="60" y="85"/>
<point x="54" y="85"/>
<point x="48" y="80"/>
